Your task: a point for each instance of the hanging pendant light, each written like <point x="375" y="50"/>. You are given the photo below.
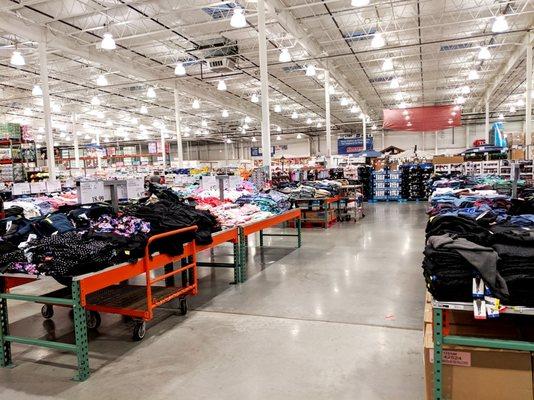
<point x="299" y="136"/>
<point x="221" y="85"/>
<point x="151" y="93"/>
<point x="95" y="101"/>
<point x="512" y="109"/>
<point x="294" y="115"/>
<point x="253" y="139"/>
<point x="277" y="108"/>
<point x="473" y="75"/>
<point x="143" y="110"/>
<point x="465" y="90"/>
<point x="360" y="3"/>
<point x="254" y="98"/>
<point x="238" y="19"/>
<point x="484" y="53"/>
<point x="394" y="83"/>
<point x="108" y="43"/>
<point x="284" y="56"/>
<point x="278" y="129"/>
<point x="310" y="70"/>
<point x="278" y="137"/>
<point x="17" y="59"/>
<point x="387" y="65"/>
<point x="248" y="120"/>
<point x="179" y="70"/>
<point x="225" y="113"/>
<point x="500" y="24"/>
<point x="344" y="101"/>
<point x="37" y="91"/>
<point x="309" y="121"/>
<point x="378" y="40"/>
<point x="196" y="104"/>
<point x="102" y="80"/>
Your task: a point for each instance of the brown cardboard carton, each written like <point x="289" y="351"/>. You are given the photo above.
<point x="472" y="373"/>
<point x="447" y="159"/>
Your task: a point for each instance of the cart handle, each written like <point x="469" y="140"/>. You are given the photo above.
<point x="159" y="236"/>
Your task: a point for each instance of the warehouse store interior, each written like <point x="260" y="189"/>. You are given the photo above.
<point x="266" y="199"/>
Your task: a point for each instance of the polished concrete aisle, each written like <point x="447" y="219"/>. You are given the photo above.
<point x="340" y="317"/>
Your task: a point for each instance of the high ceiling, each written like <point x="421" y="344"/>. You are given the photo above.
<point x="433" y="45"/>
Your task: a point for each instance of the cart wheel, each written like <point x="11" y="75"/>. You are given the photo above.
<point x="183" y="306"/>
<point x="139" y="331"/>
<point x="93" y="320"/>
<point x="47" y="311"/>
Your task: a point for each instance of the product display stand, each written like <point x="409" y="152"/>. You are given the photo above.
<point x="441" y="337"/>
<point x="259" y="226"/>
<point x="104" y="291"/>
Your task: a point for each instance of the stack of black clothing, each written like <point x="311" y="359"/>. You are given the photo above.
<point x="414" y="178"/>
<point x="365" y="178"/>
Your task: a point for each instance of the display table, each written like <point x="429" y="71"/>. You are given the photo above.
<point x="318" y="211"/>
<point x="226" y="236"/>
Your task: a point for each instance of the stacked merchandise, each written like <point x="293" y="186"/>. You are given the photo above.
<point x="386" y="185"/>
<point x="361" y="175"/>
<point x="78" y="240"/>
<point x="414" y="179"/>
<point x="315" y="189"/>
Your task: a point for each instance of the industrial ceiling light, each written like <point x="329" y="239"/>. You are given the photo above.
<point x="409" y="123"/>
<point x="403" y="105"/>
<point x="253" y="139"/>
<point x="354" y="109"/>
<point x="394" y="83"/>
<point x="405" y="112"/>
<point x="501" y="116"/>
<point x="179" y="70"/>
<point x="225" y="113"/>
<point x="277" y="108"/>
<point x="484" y="53"/>
<point x="95" y="101"/>
<point x="344" y="101"/>
<point x="186" y="134"/>
<point x="245" y="126"/>
<point x="278" y="129"/>
<point x="378" y="41"/>
<point x="134" y="120"/>
<point x="37" y="91"/>
<point x="309" y="121"/>
<point x="460" y="100"/>
<point x="143" y="110"/>
<point x="319" y="125"/>
<point x="407" y="117"/>
<point x="187" y="129"/>
<point x="238" y="19"/>
<point x="248" y="120"/>
<point x="17" y="58"/>
<point x="278" y="137"/>
<point x="310" y="70"/>
<point x="362" y="116"/>
<point x="151" y="93"/>
<point x="360" y="3"/>
<point x="398" y="96"/>
<point x="387" y="65"/>
<point x="204" y="123"/>
<point x="108" y="43"/>
<point x="109" y="123"/>
<point x="56" y="107"/>
<point x="294" y="115"/>
<point x="465" y="90"/>
<point x="221" y="85"/>
<point x="453" y="113"/>
<point x="284" y="56"/>
<point x="512" y="109"/>
<point x="299" y="136"/>
<point x="520" y="103"/>
<point x="473" y="75"/>
<point x="102" y="80"/>
<point x="196" y="104"/>
<point x="228" y="140"/>
<point x="373" y="128"/>
<point x="500" y="24"/>
<point x="254" y="98"/>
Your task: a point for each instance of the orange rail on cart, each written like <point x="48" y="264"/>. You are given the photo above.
<point x="257" y="226"/>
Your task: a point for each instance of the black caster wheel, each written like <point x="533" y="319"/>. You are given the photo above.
<point x="126" y="319"/>
<point x="139" y="331"/>
<point x="47" y="311"/>
<point x="93" y="320"/>
<point x="183" y="306"/>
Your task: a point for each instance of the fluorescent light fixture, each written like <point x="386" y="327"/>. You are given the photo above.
<point x="387" y="65"/>
<point x="310" y="70"/>
<point x="344" y="101"/>
<point x="378" y="41"/>
<point x="278" y="129"/>
<point x="319" y="125"/>
<point x="179" y="70"/>
<point x="360" y="3"/>
<point x="460" y="100"/>
<point x="354" y="109"/>
<point x="277" y="108"/>
<point x="299" y="136"/>
<point x="101" y="80"/>
<point x="253" y="139"/>
<point x="95" y="101"/>
<point x="500" y="24"/>
<point x="294" y="115"/>
<point x="254" y="98"/>
<point x="37" y="91"/>
<point x="17" y="58"/>
<point x="374" y="128"/>
<point x="520" y="103"/>
<point x="109" y="123"/>
<point x="225" y="113"/>
<point x="143" y="110"/>
<point x="284" y="56"/>
<point x="484" y="53"/>
<point x="278" y="137"/>
<point x="108" y="43"/>
<point x="309" y="121"/>
<point x="248" y="120"/>
<point x="238" y="19"/>
<point x="501" y="116"/>
<point x="454" y="113"/>
<point x="196" y="104"/>
<point x="512" y="109"/>
<point x="151" y="93"/>
<point x="394" y="83"/>
<point x="204" y="123"/>
<point x="56" y="107"/>
<point x="221" y="85"/>
<point x="473" y="75"/>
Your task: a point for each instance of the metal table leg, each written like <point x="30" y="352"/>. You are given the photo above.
<point x="261" y="238"/>
<point x="5" y="346"/>
<point x="80" y="333"/>
<point x="438" y="353"/>
<point x="299" y="232"/>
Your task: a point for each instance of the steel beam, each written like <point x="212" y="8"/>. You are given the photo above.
<point x="177" y="118"/>
<point x="328" y="124"/>
<point x="49" y="137"/>
<point x="264" y="79"/>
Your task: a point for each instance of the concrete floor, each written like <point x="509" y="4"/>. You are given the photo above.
<point x="339" y="318"/>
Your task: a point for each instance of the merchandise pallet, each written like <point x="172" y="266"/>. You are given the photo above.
<point x="323" y="209"/>
<point x="441" y="337"/>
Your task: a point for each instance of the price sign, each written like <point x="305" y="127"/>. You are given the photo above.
<point x="53" y="186"/>
<point x="135" y="188"/>
<point x="209" y="183"/>
<point x="20" y="189"/>
<point x="38" y="187"/>
<point x="91" y="192"/>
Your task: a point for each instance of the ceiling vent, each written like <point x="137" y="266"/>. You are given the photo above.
<point x="221" y="65"/>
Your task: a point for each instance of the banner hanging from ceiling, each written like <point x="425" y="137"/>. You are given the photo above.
<point x="422" y="119"/>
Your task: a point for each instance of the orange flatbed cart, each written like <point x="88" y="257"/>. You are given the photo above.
<point x="105" y="291"/>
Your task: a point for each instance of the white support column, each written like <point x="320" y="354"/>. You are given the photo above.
<point x="177" y="117"/>
<point x="75" y="142"/>
<point x="162" y="138"/>
<point x="327" y="117"/>
<point x="265" y="118"/>
<point x="98" y="154"/>
<point x="49" y="137"/>
<point x="225" y="154"/>
<point x="423" y="141"/>
<point x="528" y="104"/>
<point x="467" y="136"/>
<point x="436" y="143"/>
<point x="487" y="122"/>
<point x="364" y="128"/>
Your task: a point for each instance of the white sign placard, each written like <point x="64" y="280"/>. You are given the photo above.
<point x="20" y="189"/>
<point x="209" y="183"/>
<point x="38" y="187"/>
<point x="91" y="192"/>
<point x="53" y="186"/>
<point x="135" y="188"/>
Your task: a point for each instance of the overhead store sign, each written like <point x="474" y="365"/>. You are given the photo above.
<point x="352" y="145"/>
<point x="422" y="119"/>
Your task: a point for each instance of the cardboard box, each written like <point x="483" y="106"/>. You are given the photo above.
<point x="447" y="159"/>
<point x="472" y="373"/>
<point x="517" y="154"/>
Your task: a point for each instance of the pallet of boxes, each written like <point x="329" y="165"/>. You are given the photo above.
<point x="473" y="373"/>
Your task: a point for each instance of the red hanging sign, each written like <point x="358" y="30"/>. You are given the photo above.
<point x="422" y="119"/>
